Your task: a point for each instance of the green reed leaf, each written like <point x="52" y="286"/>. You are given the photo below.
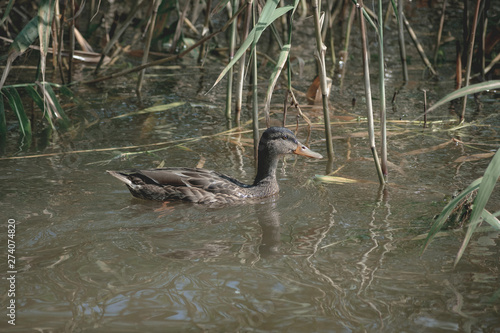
<point x="20" y="44"/>
<point x="25" y="38"/>
<point x="471" y="89"/>
<point x="268" y="15"/>
<point x="483" y="195"/>
<point x="18" y="108"/>
<point x="35" y="96"/>
<point x="45" y="15"/>
<point x="52" y="103"/>
<point x="7" y="11"/>
<point x="447" y="210"/>
<point x="283" y="56"/>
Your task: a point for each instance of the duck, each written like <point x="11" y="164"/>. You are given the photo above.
<point x="202" y="186"/>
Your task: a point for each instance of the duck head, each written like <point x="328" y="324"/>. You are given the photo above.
<point x="276" y="141"/>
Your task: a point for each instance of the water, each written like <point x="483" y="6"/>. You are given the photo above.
<point x="317" y="258"/>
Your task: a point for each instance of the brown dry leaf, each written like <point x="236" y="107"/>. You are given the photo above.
<point x="475" y="157"/>
<point x="313" y="89"/>
<point x="492" y="39"/>
<point x="344" y="118"/>
<point x="426" y="150"/>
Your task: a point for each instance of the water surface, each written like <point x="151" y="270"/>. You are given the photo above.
<point x="316" y="258"/>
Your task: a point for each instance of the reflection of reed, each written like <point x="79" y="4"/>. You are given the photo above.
<point x="373" y="258"/>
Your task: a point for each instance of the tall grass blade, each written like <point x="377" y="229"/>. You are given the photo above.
<point x="18" y="108"/>
<point x="483" y="195"/>
<point x="45" y="14"/>
<point x="7" y="11"/>
<point x="268" y="15"/>
<point x="447" y="210"/>
<point x="491" y="219"/>
<point x="35" y="96"/>
<point x="21" y="43"/>
<point x="283" y="56"/>
<point x="53" y="105"/>
<point x="471" y="89"/>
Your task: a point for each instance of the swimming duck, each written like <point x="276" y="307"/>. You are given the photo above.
<point x="205" y="186"/>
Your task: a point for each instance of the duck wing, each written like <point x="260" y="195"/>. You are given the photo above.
<point x="189" y="184"/>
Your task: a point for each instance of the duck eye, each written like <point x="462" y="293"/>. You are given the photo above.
<point x="284" y="137"/>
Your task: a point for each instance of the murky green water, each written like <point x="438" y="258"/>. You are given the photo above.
<point x="318" y="258"/>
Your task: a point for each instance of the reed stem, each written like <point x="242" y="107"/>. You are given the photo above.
<point x="205" y="30"/>
<point x="469" y="57"/>
<point x="71" y="40"/>
<point x="381" y="78"/>
<point x="148" y="43"/>
<point x="345" y="53"/>
<point x="440" y="32"/>
<point x="419" y="47"/>
<point x="402" y="47"/>
<point x="255" y="99"/>
<point x="232" y="42"/>
<point x="368" y="94"/>
<point x="241" y="71"/>
<point x="320" y="58"/>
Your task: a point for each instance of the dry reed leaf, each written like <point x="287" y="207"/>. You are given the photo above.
<point x="426" y="150"/>
<point x="439" y="234"/>
<point x="339" y="180"/>
<point x="201" y="162"/>
<point x="156" y="108"/>
<point x="475" y="157"/>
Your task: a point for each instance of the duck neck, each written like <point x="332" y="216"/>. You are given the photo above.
<point x="266" y="170"/>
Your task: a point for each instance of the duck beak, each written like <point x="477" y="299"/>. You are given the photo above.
<point x="304" y="151"/>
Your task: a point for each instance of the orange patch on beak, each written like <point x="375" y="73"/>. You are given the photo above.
<point x="304" y="151"/>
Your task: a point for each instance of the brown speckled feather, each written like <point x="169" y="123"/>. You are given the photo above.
<point x="195" y="185"/>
